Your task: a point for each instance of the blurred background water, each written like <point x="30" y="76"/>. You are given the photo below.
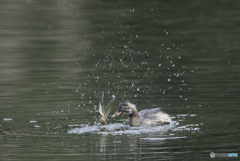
<point x="58" y="56"/>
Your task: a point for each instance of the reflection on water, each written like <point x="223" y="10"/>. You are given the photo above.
<point x="117" y="137"/>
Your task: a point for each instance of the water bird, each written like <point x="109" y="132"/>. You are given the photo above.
<point x="145" y="117"/>
<point x="104" y="111"/>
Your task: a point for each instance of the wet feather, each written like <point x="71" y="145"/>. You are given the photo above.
<point x="104" y="111"/>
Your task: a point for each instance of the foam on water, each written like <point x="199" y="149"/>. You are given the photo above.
<point x="119" y="129"/>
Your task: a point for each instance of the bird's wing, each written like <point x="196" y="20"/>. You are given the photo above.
<point x="100" y="110"/>
<point x="102" y="103"/>
<point x="108" y="108"/>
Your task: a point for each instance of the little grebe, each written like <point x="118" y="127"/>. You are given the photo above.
<point x="145" y="117"/>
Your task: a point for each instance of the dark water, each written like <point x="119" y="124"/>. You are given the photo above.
<point x="58" y="56"/>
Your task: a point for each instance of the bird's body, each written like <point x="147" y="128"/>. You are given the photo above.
<point x="145" y="117"/>
<point x="101" y="116"/>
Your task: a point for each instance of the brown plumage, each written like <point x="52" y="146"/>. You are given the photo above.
<point x="104" y="111"/>
<point x="145" y="117"/>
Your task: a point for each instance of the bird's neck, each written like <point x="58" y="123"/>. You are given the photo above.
<point x="134" y="118"/>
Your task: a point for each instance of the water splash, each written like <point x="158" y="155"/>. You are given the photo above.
<point x="119" y="129"/>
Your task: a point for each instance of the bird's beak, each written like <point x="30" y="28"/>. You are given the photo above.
<point x="117" y="114"/>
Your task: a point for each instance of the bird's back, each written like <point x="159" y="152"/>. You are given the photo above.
<point x="154" y="116"/>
